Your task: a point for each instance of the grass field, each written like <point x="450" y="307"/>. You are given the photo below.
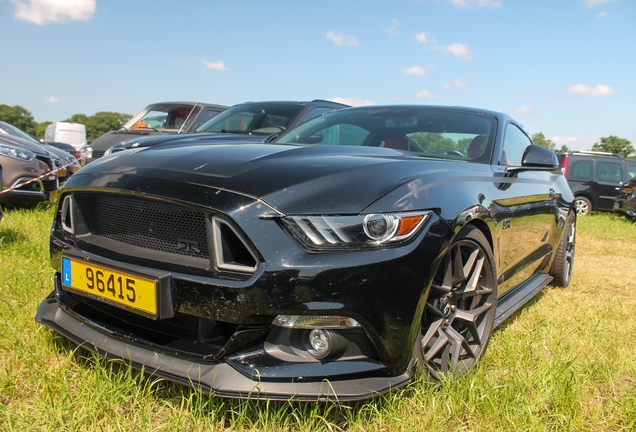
<point x="565" y="362"/>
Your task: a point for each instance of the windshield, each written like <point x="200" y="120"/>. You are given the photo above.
<point x="425" y="131"/>
<point x="166" y="116"/>
<point x="253" y="118"/>
<point x="12" y="130"/>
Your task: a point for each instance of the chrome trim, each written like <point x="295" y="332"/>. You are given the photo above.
<point x="68" y="207"/>
<point x="218" y="248"/>
<point x="24" y="180"/>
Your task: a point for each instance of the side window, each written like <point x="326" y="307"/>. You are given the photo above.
<point x="205" y="116"/>
<point x="317" y="112"/>
<point x="631" y="171"/>
<point x="581" y="170"/>
<point x="515" y="143"/>
<point x="608" y="172"/>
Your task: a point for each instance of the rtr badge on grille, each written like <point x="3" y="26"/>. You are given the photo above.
<point x="188" y="246"/>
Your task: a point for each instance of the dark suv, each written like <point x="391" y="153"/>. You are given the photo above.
<point x="595" y="178"/>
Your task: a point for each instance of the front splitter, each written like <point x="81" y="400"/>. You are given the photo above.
<point x="220" y="379"/>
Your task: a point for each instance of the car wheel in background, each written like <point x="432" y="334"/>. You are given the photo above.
<point x="563" y="262"/>
<point x="460" y="309"/>
<point x="583" y="206"/>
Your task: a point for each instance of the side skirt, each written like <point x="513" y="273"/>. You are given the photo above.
<point x="517" y="297"/>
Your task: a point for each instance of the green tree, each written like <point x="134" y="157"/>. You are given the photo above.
<point x="564" y="149"/>
<point x="614" y="144"/>
<point x="540" y="139"/>
<point x="429" y="142"/>
<point x="100" y="123"/>
<point x="41" y="129"/>
<point x="18" y="117"/>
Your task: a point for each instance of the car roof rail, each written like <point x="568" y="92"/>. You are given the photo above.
<point x="592" y="153"/>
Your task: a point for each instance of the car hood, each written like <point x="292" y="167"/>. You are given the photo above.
<point x="291" y="179"/>
<point x="22" y="143"/>
<point x="187" y="139"/>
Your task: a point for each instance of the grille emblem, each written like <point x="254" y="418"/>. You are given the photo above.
<point x="188" y="246"/>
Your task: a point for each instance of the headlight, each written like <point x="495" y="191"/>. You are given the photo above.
<point x="16" y="153"/>
<point x="360" y="231"/>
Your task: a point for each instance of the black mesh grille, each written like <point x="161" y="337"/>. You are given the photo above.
<point x="49" y="185"/>
<point x="150" y="225"/>
<point x="98" y="153"/>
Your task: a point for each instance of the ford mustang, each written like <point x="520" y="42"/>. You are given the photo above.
<point x="355" y="251"/>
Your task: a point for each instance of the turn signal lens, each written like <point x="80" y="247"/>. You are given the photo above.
<point x="315" y="321"/>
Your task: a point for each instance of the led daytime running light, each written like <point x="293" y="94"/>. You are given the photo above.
<point x="315" y="321"/>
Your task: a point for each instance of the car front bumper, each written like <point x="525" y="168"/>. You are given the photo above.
<point x="219" y="378"/>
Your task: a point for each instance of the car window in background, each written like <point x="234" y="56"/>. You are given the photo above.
<point x="608" y="172"/>
<point x="515" y="143"/>
<point x="317" y="112"/>
<point x="631" y="171"/>
<point x="581" y="170"/>
<point x="205" y="116"/>
<point x="259" y="119"/>
<point x="167" y="117"/>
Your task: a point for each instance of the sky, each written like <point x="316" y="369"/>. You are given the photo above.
<point x="566" y="68"/>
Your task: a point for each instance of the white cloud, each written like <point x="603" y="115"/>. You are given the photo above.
<point x="601" y="14"/>
<point x="601" y="90"/>
<point x="341" y="39"/>
<point x="219" y="66"/>
<point x="353" y="101"/>
<point x="417" y="70"/>
<point x="394" y="26"/>
<point x="44" y="11"/>
<point x="53" y="99"/>
<point x="592" y="3"/>
<point x="456" y="84"/>
<point x="421" y="38"/>
<point x="459" y="50"/>
<point x="523" y="110"/>
<point x="493" y="4"/>
<point x="425" y="94"/>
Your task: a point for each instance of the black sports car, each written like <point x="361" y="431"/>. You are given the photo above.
<point x="354" y="251"/>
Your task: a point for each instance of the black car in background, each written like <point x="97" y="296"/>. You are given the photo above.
<point x="163" y="118"/>
<point x="625" y="201"/>
<point x="246" y="122"/>
<point x="595" y="178"/>
<point x="356" y="250"/>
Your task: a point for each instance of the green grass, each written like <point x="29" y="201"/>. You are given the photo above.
<point x="565" y="362"/>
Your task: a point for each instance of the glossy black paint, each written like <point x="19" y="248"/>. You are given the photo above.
<point x="520" y="210"/>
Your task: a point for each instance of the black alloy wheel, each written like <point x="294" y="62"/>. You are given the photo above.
<point x="564" y="260"/>
<point x="460" y="310"/>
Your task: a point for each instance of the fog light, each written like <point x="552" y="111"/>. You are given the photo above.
<point x="325" y="344"/>
<point x="320" y="342"/>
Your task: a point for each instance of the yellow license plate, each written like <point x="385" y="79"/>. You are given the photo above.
<point x="112" y="285"/>
<point x="627" y="190"/>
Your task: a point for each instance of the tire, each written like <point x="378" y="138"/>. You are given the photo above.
<point x="583" y="206"/>
<point x="460" y="309"/>
<point x="564" y="260"/>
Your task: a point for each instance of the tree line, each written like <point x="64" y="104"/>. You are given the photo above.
<point x="105" y="121"/>
<point x="96" y="125"/>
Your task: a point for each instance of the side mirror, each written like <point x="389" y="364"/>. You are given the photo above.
<point x="537" y="158"/>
